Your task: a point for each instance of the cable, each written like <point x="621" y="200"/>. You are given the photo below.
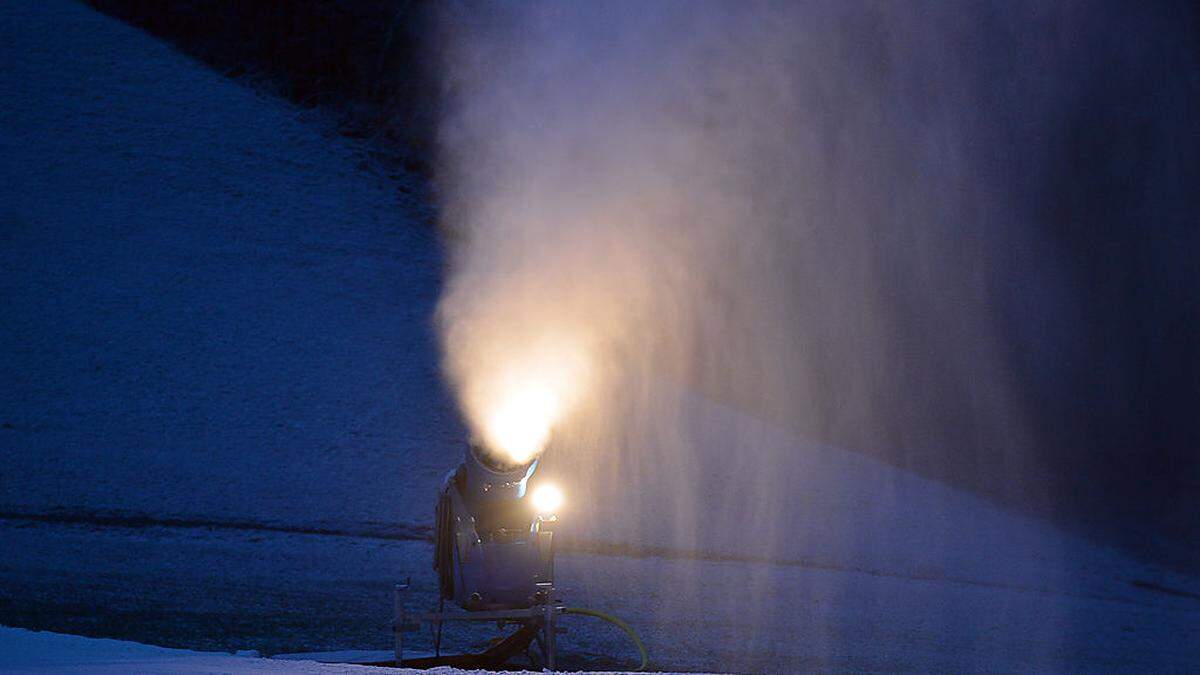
<point x="637" y="641"/>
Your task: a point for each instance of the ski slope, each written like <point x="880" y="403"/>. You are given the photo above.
<point x="23" y="651"/>
<point x="203" y="286"/>
<point x="222" y="424"/>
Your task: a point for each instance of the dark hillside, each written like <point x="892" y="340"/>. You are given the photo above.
<point x="363" y="57"/>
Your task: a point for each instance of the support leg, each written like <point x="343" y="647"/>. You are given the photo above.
<point x="549" y="622"/>
<point x="400" y="600"/>
<point x="551" y="628"/>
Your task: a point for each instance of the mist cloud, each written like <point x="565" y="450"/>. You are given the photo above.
<point x="837" y="217"/>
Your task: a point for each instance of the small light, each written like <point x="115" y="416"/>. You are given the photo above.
<point x="547" y="499"/>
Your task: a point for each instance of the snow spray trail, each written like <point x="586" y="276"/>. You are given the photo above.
<point x="823" y="214"/>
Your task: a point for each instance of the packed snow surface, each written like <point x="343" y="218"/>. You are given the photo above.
<point x="222" y="425"/>
<point x="23" y="651"/>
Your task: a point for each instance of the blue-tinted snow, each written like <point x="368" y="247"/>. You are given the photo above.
<point x="211" y="305"/>
<point x="23" y="651"/>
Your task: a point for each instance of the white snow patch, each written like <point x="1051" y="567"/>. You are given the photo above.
<point x="25" y="651"/>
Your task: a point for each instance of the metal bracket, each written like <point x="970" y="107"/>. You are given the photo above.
<point x="542" y="617"/>
<point x="550" y="613"/>
<point x="400" y="599"/>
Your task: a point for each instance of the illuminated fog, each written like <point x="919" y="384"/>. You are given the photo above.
<point x="689" y="239"/>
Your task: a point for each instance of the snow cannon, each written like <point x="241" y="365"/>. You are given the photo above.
<point x="494" y="534"/>
<point x="494" y="557"/>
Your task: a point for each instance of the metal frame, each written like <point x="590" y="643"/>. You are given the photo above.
<point x="544" y="616"/>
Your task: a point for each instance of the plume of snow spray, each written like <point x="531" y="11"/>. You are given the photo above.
<point x="654" y="199"/>
<point x="821" y="214"/>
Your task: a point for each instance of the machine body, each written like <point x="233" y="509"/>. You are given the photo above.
<point x="494" y="556"/>
<point x="494" y="551"/>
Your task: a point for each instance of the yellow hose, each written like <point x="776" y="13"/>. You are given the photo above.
<point x="637" y="641"/>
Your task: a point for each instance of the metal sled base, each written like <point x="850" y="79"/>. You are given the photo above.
<point x="539" y="623"/>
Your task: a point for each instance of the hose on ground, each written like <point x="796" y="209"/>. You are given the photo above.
<point x="637" y="641"/>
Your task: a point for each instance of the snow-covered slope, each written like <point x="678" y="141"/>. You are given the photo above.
<point x="805" y="551"/>
<point x="209" y="300"/>
<point x="760" y="492"/>
<point x="221" y="423"/>
<point x="23" y="651"/>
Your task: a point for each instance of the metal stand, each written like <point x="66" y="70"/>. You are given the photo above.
<point x="542" y="618"/>
<point x="550" y="612"/>
<point x="400" y="599"/>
